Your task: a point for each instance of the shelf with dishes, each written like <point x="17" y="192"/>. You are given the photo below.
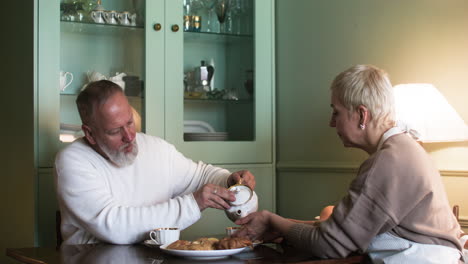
<point x="198" y="130"/>
<point x="215" y="38"/>
<point x="90" y="27"/>
<point x="217" y="100"/>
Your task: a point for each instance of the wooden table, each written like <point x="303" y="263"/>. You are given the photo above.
<point x="139" y="254"/>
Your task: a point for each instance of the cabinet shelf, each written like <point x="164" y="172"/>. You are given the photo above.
<point x="200" y="100"/>
<point x="89" y="27"/>
<point x="215" y="37"/>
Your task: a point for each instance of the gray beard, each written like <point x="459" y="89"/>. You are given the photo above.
<point x="119" y="157"/>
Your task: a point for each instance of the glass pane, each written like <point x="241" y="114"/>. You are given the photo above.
<point x="99" y="40"/>
<point x="219" y="64"/>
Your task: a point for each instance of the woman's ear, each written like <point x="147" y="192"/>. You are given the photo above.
<point x="88" y="134"/>
<point x="363" y="115"/>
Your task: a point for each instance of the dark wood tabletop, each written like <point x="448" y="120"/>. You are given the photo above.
<point x="136" y="254"/>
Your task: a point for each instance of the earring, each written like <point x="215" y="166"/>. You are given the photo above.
<point x="362" y="126"/>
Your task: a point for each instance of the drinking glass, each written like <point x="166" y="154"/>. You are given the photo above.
<point x="237" y="11"/>
<point x="221" y="9"/>
<point x="209" y="6"/>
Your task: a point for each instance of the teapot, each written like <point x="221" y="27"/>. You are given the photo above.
<point x="246" y="202"/>
<point x="118" y="79"/>
<point x="92" y="77"/>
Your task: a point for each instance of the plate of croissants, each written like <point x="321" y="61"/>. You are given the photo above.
<point x="207" y="247"/>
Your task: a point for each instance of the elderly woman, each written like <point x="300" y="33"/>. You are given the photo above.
<point x="396" y="209"/>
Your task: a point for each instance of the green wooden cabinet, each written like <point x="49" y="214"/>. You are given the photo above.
<point x="160" y="60"/>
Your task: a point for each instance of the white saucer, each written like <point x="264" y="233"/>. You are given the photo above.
<point x="150" y="243"/>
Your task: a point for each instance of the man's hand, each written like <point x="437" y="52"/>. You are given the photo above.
<point x="213" y="196"/>
<point x="242" y="177"/>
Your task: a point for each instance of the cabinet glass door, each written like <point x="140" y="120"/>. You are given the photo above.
<point x="82" y="41"/>
<point x="218" y="70"/>
<point x="99" y="40"/>
<point x="220" y="111"/>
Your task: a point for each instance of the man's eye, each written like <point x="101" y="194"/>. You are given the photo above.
<point x="113" y="132"/>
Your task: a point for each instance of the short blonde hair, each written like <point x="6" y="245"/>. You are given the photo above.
<point x="369" y="86"/>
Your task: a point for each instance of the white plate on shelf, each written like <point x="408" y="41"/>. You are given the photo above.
<point x="213" y="136"/>
<point x="202" y="254"/>
<point x="197" y="126"/>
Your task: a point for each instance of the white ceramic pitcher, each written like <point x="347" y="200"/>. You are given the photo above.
<point x="66" y="78"/>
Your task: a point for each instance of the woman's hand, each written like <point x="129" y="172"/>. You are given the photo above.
<point x="244" y="177"/>
<point x="264" y="226"/>
<point x="254" y="225"/>
<point x="326" y="212"/>
<point x="213" y="196"/>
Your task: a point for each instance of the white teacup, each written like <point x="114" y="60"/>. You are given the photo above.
<point x="64" y="76"/>
<point x="166" y="235"/>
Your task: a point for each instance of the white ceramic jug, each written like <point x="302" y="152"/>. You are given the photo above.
<point x="63" y="80"/>
<point x="246" y="202"/>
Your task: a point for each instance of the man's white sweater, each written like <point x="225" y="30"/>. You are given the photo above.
<point x="100" y="202"/>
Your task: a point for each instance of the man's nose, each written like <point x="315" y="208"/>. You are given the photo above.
<point x="332" y="123"/>
<point x="127" y="134"/>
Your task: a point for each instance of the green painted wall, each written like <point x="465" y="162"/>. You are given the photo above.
<point x="17" y="129"/>
<point x="415" y="41"/>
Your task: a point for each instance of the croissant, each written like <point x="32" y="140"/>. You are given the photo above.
<point x="179" y="244"/>
<point x="203" y="243"/>
<point x="233" y="242"/>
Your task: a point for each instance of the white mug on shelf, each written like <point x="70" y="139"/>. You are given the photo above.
<point x="110" y="17"/>
<point x="124" y="18"/>
<point x="133" y="19"/>
<point x="66" y="79"/>
<point x="98" y="16"/>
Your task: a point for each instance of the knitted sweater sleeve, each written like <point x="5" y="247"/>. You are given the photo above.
<point x="397" y="189"/>
<point x="350" y="228"/>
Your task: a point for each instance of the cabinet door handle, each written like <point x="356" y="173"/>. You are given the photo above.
<point x="175" y="28"/>
<point x="157" y="27"/>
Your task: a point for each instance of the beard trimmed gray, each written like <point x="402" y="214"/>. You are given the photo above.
<point x="119" y="157"/>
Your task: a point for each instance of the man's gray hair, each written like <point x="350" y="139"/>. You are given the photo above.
<point x="95" y="94"/>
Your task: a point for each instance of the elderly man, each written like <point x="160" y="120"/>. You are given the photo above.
<point x="114" y="185"/>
